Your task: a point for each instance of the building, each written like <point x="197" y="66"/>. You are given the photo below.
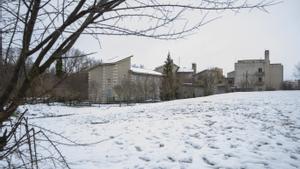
<point x="147" y="82"/>
<point x="185" y="79"/>
<point x="187" y="87"/>
<point x="103" y="79"/>
<point x="185" y="75"/>
<point x="257" y="74"/>
<point x="291" y="85"/>
<point x="230" y="81"/>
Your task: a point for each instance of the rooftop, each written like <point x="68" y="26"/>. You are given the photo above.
<point x="145" y="71"/>
<point x="252" y="61"/>
<point x="110" y="61"/>
<point x="185" y="70"/>
<point x="115" y="59"/>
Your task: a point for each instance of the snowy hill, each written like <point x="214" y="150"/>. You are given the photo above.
<point x="237" y="130"/>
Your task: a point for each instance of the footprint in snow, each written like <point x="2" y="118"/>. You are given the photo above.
<point x="145" y="159"/>
<point x="213" y="147"/>
<point x="161" y="145"/>
<point x="195" y="135"/>
<point x="188" y="127"/>
<point x="138" y="167"/>
<point x="171" y="159"/>
<point x="294" y="165"/>
<point x="233" y="146"/>
<point x="194" y="145"/>
<point x="186" y="160"/>
<point x="138" y="148"/>
<point x="261" y="144"/>
<point x="165" y="134"/>
<point x="118" y="143"/>
<point x="208" y="161"/>
<point x="227" y="156"/>
<point x="293" y="157"/>
<point x="209" y="116"/>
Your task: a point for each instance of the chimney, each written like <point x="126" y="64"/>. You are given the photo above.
<point x="194" y="67"/>
<point x="267" y="55"/>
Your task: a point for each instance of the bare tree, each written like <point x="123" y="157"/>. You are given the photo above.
<point x="45" y="30"/>
<point x="209" y="82"/>
<point x="209" y="79"/>
<point x="118" y="89"/>
<point x="249" y="82"/>
<point x="93" y="90"/>
<point x="126" y="90"/>
<point x="75" y="61"/>
<point x="129" y="88"/>
<point x="153" y="89"/>
<point x="140" y="90"/>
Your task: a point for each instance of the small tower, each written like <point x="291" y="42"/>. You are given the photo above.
<point x="194" y="67"/>
<point x="267" y="55"/>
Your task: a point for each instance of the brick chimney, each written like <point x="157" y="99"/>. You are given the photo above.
<point x="267" y="55"/>
<point x="194" y="67"/>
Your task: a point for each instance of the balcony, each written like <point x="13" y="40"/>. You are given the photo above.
<point x="260" y="74"/>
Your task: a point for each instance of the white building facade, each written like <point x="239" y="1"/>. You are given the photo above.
<point x="104" y="77"/>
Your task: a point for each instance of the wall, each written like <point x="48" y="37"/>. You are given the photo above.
<point x="246" y="74"/>
<point x="95" y="87"/>
<point x="150" y="83"/>
<point x="185" y="77"/>
<point x="104" y="77"/>
<point x="276" y="73"/>
<point x="190" y="91"/>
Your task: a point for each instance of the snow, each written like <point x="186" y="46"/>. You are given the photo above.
<point x="237" y="130"/>
<point x="185" y="70"/>
<point x="115" y="59"/>
<point x="145" y="71"/>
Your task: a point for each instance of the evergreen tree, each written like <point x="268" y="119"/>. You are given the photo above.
<point x="169" y="82"/>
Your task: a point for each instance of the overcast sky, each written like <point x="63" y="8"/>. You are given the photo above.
<point x="219" y="44"/>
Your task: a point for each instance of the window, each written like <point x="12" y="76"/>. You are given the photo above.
<point x="260" y="79"/>
<point x="260" y="70"/>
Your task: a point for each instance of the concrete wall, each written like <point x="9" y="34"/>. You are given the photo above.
<point x="276" y="74"/>
<point x="122" y="70"/>
<point x="185" y="77"/>
<point x="104" y="77"/>
<point x="246" y="74"/>
<point x="231" y="74"/>
<point x="95" y="87"/>
<point x="190" y="91"/>
<point x="151" y="84"/>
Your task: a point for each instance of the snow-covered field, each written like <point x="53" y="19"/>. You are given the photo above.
<point x="238" y="130"/>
